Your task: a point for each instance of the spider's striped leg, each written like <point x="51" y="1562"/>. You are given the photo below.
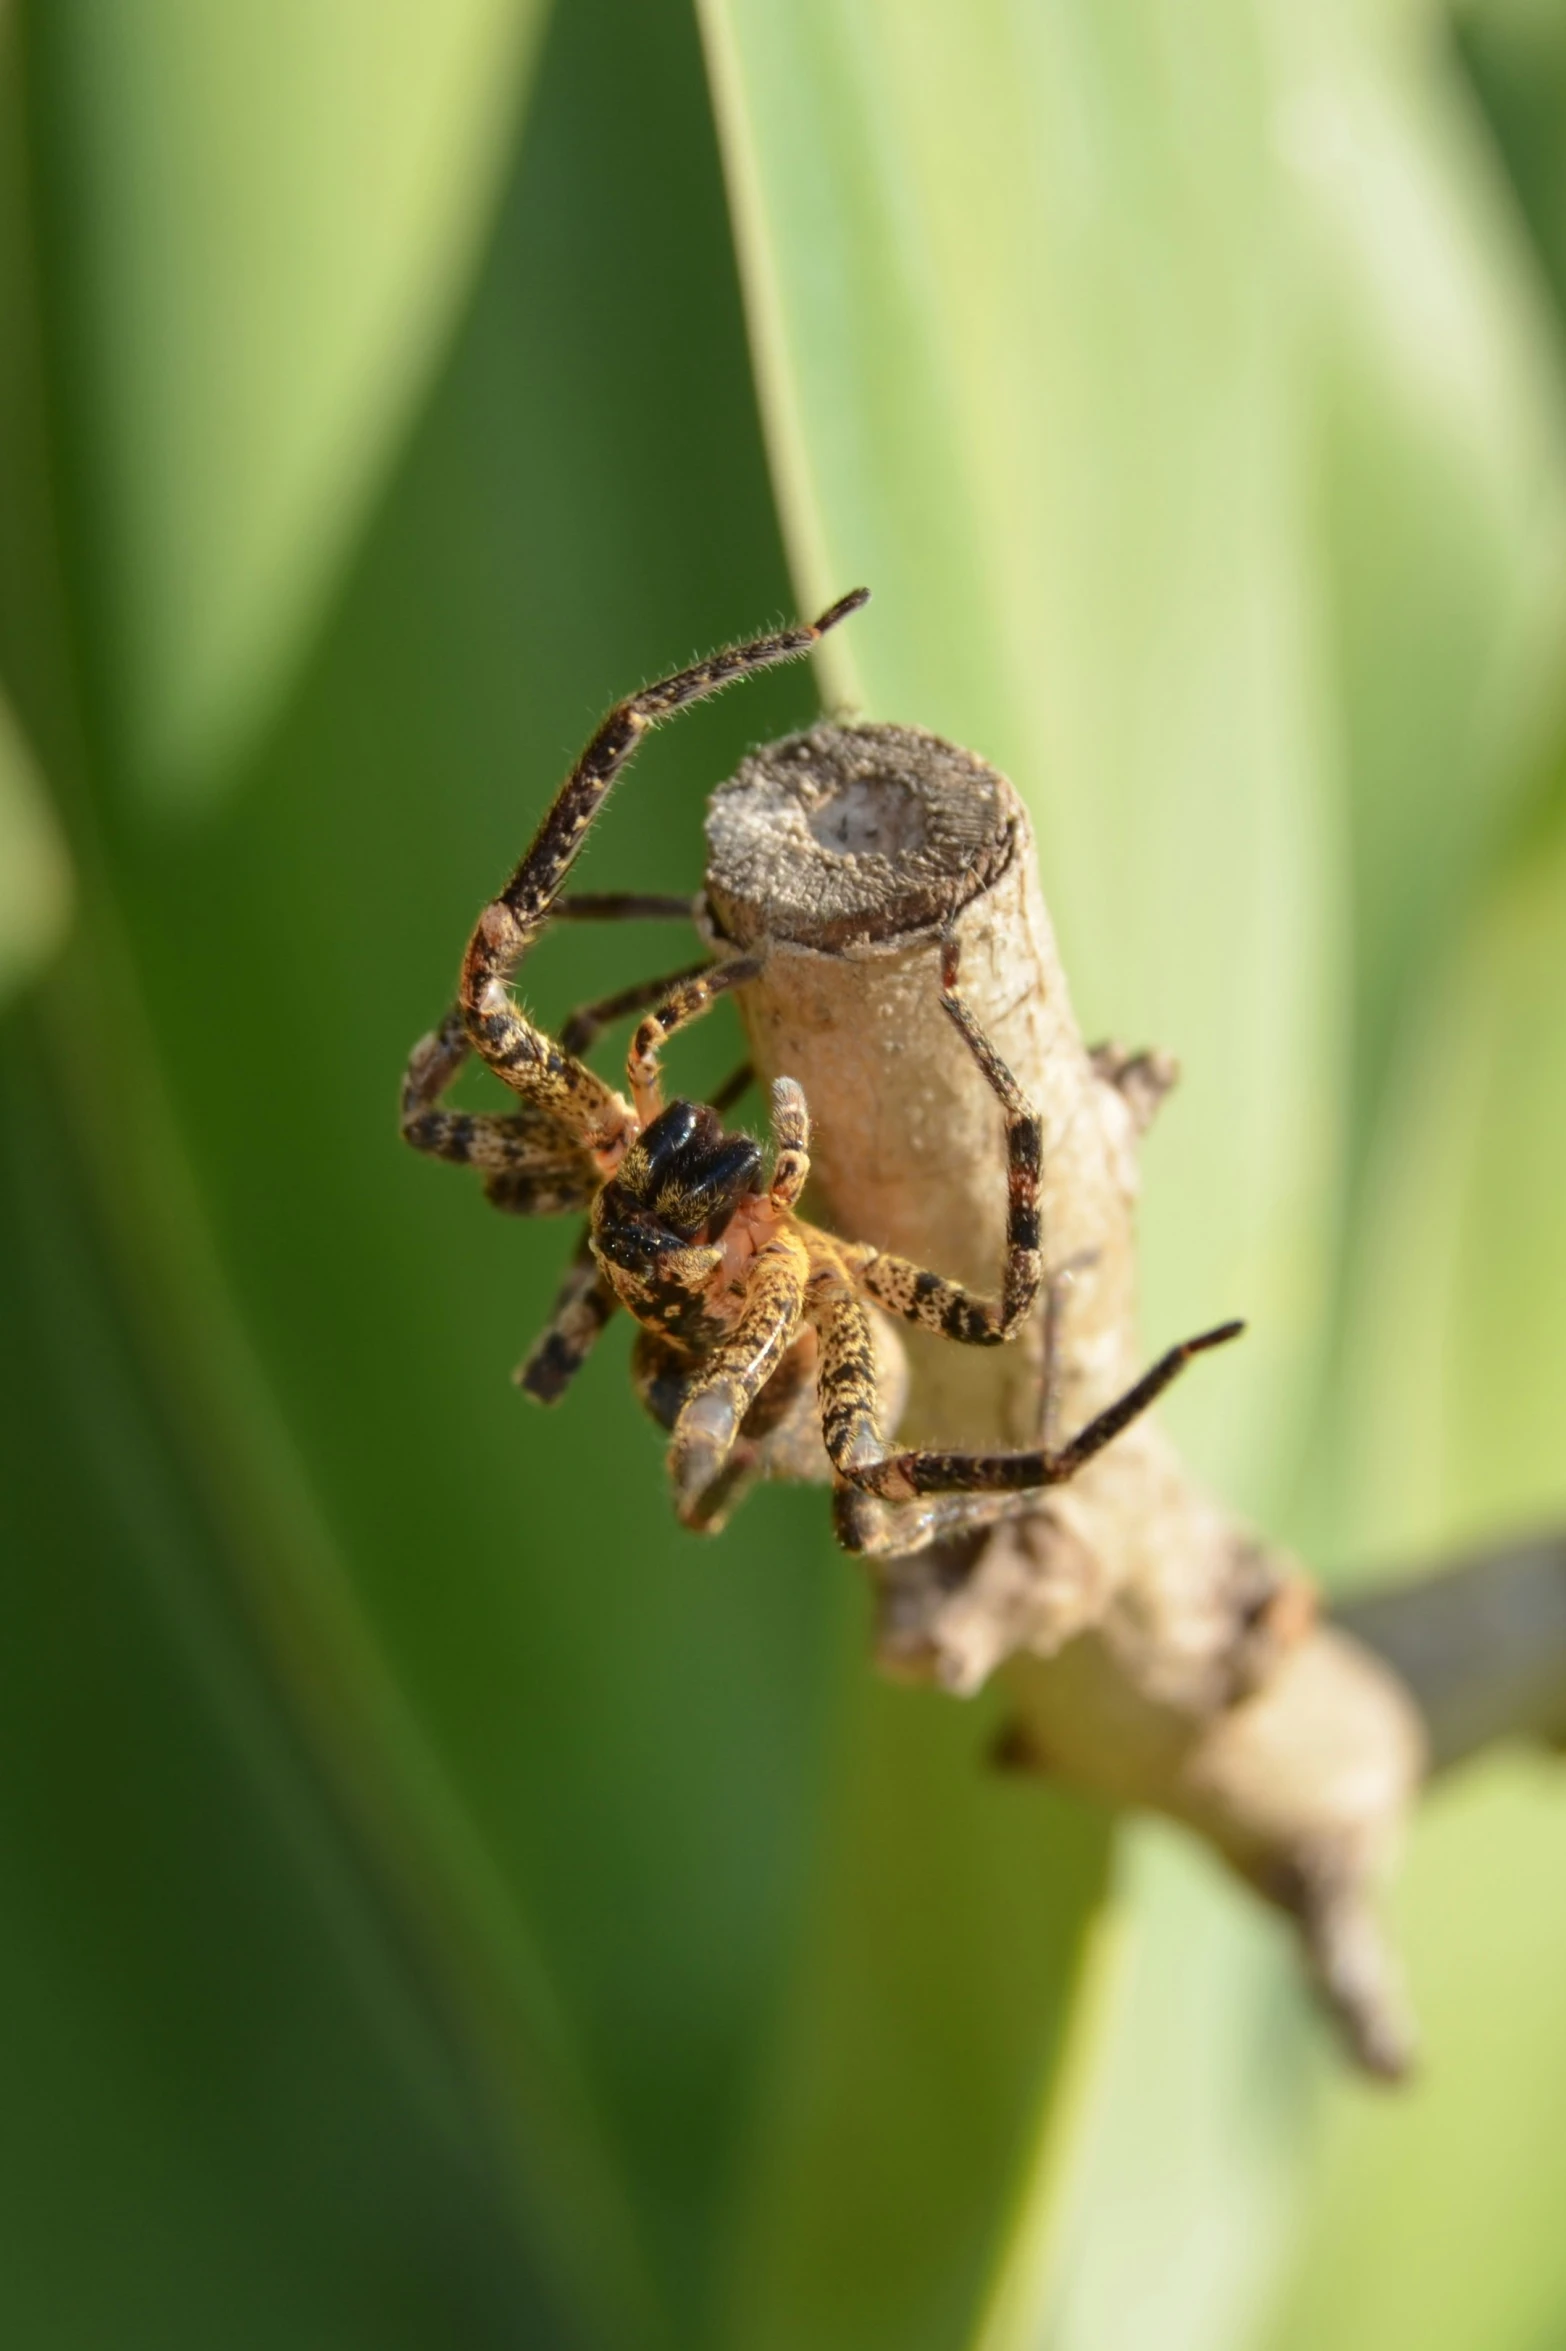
<point x="900" y="1477"/>
<point x="777" y="1438"/>
<point x="624" y="906"/>
<point x="1057" y="1289"/>
<point x="584" y="1025"/>
<point x="728" y="1381"/>
<point x="791" y="1143"/>
<point x="528" y="1060"/>
<point x="928" y="1298"/>
<point x="530" y="1162"/>
<point x="582" y="1306"/>
<point x="504" y="1144"/>
<point x="733" y="1089"/>
<point x="874" y="1529"/>
<point x="690" y="995"/>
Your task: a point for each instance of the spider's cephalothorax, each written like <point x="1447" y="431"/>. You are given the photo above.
<point x="756" y="1345"/>
<point x="660" y="1223"/>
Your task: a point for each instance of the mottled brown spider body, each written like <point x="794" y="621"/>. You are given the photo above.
<point x="756" y="1345"/>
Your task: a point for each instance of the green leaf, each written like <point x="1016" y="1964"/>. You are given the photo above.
<point x="933" y="1998"/>
<point x="35" y="875"/>
<point x="1457" y="1361"/>
<point x="225" y="2070"/>
<point x="1167" y="2190"/>
<point x="1442" y="470"/>
<point x="263" y="219"/>
<point x="1013" y="292"/>
<point x="592" y="1748"/>
<point x="1438" y="2216"/>
<point x="1457" y="1370"/>
<point x="1182" y="393"/>
<point x="1011" y="281"/>
<point x="1515" y="53"/>
<point x="1453" y="1389"/>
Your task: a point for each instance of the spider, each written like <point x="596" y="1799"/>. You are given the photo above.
<point x="755" y="1347"/>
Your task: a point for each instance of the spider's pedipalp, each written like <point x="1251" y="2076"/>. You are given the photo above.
<point x="791" y="1139"/>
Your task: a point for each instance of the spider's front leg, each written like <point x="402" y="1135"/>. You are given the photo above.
<point x="690" y="994"/>
<point x="928" y="1298"/>
<point x="522" y="1055"/>
<point x="873" y="1529"/>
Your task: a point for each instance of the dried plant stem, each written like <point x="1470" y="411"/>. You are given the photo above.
<point x="1156" y="1652"/>
<point x="1481" y="1643"/>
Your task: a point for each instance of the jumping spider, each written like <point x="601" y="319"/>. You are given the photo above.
<point x="742" y="1305"/>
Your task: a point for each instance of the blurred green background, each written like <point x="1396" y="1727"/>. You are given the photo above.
<point x="443" y="1903"/>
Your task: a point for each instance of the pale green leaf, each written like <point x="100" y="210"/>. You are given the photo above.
<point x="35" y="878"/>
<point x="1029" y="370"/>
<point x="576" y="1754"/>
<point x="1175" y="380"/>
<point x="1457" y="1362"/>
<point x="265" y="217"/>
<point x="1438" y="2222"/>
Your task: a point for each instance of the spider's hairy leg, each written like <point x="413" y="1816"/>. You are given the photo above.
<point x="526" y="1059"/>
<point x="1106" y="1425"/>
<point x="529" y="1161"/>
<point x="584" y="1025"/>
<point x="846" y="1383"/>
<point x="690" y="995"/>
<point x="873" y="1529"/>
<point x="728" y="1381"/>
<point x="433" y="1063"/>
<point x="582" y="1306"/>
<point x="776" y="1438"/>
<point x="899" y="1477"/>
<point x="733" y="1089"/>
<point x="791" y="1137"/>
<point x="928" y="1298"/>
<point x="624" y="906"/>
<point x="1057" y="1289"/>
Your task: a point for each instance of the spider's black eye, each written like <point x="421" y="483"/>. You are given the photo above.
<point x="717" y="1182"/>
<point x="671" y="1134"/>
